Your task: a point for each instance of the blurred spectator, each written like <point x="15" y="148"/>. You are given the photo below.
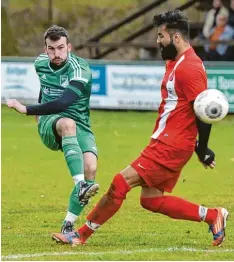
<point x="210" y="21"/>
<point x="231" y="14"/>
<point x="222" y="31"/>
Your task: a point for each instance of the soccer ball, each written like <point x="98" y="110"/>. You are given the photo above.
<point x="211" y="106"/>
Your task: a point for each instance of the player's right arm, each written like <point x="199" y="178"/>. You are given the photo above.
<point x="39" y="101"/>
<point x="56" y="106"/>
<point x="53" y="107"/>
<point x="68" y="97"/>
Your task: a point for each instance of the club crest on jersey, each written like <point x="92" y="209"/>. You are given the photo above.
<point x="64" y="80"/>
<point x="171" y="76"/>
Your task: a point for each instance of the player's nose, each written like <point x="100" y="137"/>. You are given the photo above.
<point x="56" y="53"/>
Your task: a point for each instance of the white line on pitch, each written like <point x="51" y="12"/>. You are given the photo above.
<point x="122" y="252"/>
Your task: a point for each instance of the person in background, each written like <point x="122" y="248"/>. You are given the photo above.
<point x="210" y="21"/>
<point x="231" y="14"/>
<point x="222" y="31"/>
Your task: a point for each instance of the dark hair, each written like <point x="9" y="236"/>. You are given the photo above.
<point x="55" y="32"/>
<point x="175" y="21"/>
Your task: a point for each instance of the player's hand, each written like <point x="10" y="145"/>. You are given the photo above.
<point x="15" y="104"/>
<point x="207" y="160"/>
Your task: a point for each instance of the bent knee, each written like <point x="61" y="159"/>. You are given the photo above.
<point x="153" y="203"/>
<point x="66" y="126"/>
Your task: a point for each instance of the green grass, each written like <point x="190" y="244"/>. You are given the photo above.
<point x="36" y="185"/>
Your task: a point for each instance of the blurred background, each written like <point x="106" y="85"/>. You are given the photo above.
<point x="119" y="40"/>
<point x="119" y="30"/>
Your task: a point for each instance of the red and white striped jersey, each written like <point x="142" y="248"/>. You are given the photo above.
<point x="184" y="79"/>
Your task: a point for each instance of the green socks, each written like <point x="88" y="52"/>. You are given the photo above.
<point x="74" y="157"/>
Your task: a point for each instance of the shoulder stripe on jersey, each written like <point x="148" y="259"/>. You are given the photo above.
<point x="77" y="71"/>
<point x="42" y="57"/>
<point x="75" y="68"/>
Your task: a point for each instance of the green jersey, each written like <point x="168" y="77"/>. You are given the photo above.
<point x="53" y="83"/>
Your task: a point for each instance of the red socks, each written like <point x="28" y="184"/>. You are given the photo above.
<point x="85" y="232"/>
<point x="177" y="208"/>
<point x="171" y="206"/>
<point x="110" y="202"/>
<point x="107" y="206"/>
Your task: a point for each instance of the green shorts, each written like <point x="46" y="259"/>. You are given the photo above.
<point x="50" y="138"/>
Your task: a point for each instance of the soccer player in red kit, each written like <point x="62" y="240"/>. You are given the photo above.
<point x="172" y="143"/>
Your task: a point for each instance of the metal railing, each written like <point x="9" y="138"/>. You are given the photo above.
<point x="131" y="37"/>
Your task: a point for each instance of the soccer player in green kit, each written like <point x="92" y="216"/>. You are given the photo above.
<point x="63" y="116"/>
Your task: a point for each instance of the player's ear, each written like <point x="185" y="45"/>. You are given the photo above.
<point x="69" y="47"/>
<point x="45" y="49"/>
<point x="176" y="37"/>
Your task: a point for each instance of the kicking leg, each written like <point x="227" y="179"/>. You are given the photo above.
<point x="66" y="129"/>
<point x="108" y="205"/>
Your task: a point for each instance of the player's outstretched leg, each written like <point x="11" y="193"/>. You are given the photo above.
<point x="73" y="155"/>
<point x="179" y="208"/>
<point x="108" y="205"/>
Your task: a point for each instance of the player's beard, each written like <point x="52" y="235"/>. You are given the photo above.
<point x="169" y="51"/>
<point x="60" y="61"/>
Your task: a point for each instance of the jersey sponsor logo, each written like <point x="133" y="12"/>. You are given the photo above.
<point x="64" y="80"/>
<point x="171" y="76"/>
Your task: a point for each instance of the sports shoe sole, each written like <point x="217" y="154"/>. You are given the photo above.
<point x="91" y="192"/>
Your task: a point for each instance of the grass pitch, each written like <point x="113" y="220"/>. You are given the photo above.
<point x="36" y="185"/>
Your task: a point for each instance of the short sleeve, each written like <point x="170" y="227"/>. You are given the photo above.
<point x="79" y="72"/>
<point x="192" y="80"/>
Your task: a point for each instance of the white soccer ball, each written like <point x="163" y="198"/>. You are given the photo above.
<point x="211" y="106"/>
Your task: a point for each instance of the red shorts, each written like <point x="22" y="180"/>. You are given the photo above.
<point x="160" y="165"/>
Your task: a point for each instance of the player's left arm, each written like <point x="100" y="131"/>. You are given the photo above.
<point x="193" y="81"/>
<point x="205" y="154"/>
